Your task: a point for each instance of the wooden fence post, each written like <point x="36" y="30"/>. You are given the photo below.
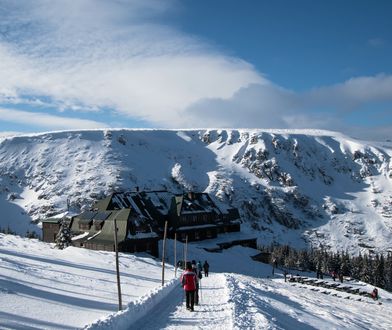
<point x="185" y="251"/>
<point x="164" y="253"/>
<point x="117" y="266"/>
<point x="175" y="255"/>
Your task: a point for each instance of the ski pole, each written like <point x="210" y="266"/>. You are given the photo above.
<point x="201" y="295"/>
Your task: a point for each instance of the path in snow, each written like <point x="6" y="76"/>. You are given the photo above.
<point x="213" y="312"/>
<point x="268" y="304"/>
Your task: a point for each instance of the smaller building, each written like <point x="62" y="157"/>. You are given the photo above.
<point x="51" y="226"/>
<point x="95" y="230"/>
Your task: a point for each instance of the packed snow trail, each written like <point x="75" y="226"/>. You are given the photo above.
<point x="213" y="312"/>
<point x="274" y="304"/>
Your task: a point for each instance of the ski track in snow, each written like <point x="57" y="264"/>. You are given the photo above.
<point x="213" y="312"/>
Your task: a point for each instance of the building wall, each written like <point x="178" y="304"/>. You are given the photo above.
<point x="129" y="246"/>
<point x="197" y="234"/>
<point x="49" y="231"/>
<point x="99" y="246"/>
<point x="196" y="219"/>
<point x="229" y="228"/>
<point x="140" y="245"/>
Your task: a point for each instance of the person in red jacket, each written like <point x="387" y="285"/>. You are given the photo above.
<point x="189" y="282"/>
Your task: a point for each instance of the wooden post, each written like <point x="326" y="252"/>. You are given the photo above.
<point x="185" y="250"/>
<point x="164" y="253"/>
<point x="183" y="254"/>
<point x="117" y="266"/>
<point x="175" y="255"/>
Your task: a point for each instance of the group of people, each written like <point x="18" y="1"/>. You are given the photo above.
<point x="190" y="281"/>
<point x="335" y="275"/>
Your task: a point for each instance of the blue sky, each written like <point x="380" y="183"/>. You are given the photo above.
<point x="184" y="64"/>
<point x="322" y="42"/>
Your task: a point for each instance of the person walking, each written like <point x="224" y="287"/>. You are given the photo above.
<point x="206" y="267"/>
<point x="199" y="266"/>
<point x="341" y="277"/>
<point x="189" y="283"/>
<point x="374" y="294"/>
<point x="334" y="275"/>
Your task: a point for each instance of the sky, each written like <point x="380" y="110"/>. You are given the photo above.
<point x="196" y="64"/>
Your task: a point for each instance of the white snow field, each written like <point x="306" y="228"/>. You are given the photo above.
<point x="45" y="288"/>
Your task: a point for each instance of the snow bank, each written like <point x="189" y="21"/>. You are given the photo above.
<point x="135" y="310"/>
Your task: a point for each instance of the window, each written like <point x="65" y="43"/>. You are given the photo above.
<point x="84" y="225"/>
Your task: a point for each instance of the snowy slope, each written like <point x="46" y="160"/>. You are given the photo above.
<point x="46" y="288"/>
<point x="301" y="187"/>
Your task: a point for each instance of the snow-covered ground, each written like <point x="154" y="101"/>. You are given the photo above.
<point x="45" y="288"/>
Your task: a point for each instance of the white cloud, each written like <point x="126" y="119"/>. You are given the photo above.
<point x="110" y="54"/>
<point x="353" y="92"/>
<point x="44" y="120"/>
<point x="270" y="106"/>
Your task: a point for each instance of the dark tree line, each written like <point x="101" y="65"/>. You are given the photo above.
<point x="374" y="269"/>
<point x="9" y="231"/>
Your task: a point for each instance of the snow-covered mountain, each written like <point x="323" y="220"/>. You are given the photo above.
<point x="297" y="187"/>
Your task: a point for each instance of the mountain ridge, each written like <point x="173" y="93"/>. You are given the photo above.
<point x="305" y="188"/>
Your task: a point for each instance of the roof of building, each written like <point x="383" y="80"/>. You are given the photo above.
<point x="106" y="234"/>
<point x="103" y="204"/>
<point x="52" y="220"/>
<point x="194" y="203"/>
<point x="89" y="217"/>
<point x="139" y="214"/>
<point x="161" y="200"/>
